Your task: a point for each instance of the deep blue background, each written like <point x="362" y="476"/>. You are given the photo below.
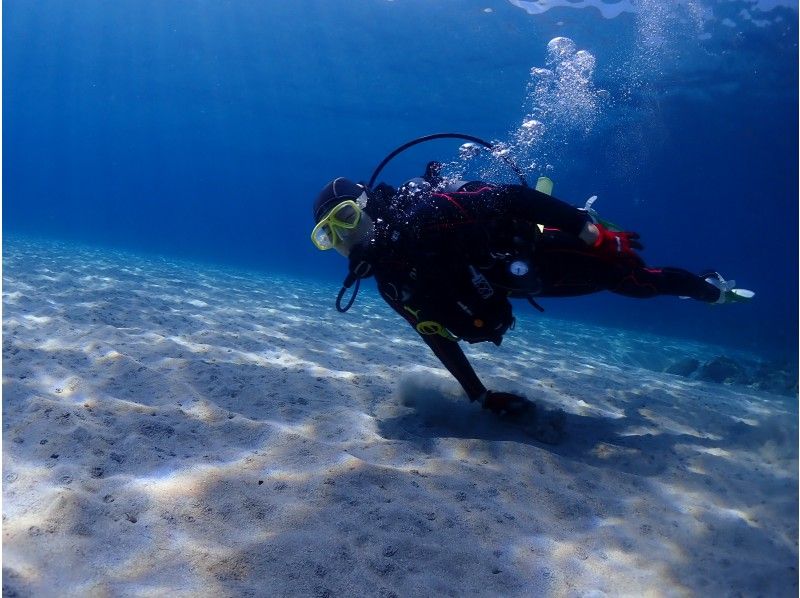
<point x="204" y="129"/>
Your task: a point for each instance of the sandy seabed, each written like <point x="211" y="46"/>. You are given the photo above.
<point x="176" y="430"/>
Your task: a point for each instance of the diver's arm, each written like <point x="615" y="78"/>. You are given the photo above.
<point x="534" y="206"/>
<point x="448" y="351"/>
<point x="453" y="358"/>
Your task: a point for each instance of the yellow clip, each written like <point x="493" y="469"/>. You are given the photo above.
<point x="431" y="327"/>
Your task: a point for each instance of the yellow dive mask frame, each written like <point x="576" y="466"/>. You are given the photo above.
<point x="329" y="231"/>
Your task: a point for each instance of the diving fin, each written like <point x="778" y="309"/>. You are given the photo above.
<point x="728" y="291"/>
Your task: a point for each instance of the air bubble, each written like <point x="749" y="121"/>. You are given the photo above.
<point x="585" y="61"/>
<point x="500" y="150"/>
<point x="468" y="151"/>
<point x="562" y="103"/>
<point x="560" y="48"/>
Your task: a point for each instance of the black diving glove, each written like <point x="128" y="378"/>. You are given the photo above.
<point x="505" y="403"/>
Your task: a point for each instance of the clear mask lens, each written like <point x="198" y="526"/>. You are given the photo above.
<point x="346" y="216"/>
<point x="323" y="237"/>
<point x="337" y="224"/>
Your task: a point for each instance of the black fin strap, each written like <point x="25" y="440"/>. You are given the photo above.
<point x="536" y="305"/>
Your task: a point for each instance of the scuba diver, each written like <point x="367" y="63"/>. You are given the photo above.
<point x="448" y="255"/>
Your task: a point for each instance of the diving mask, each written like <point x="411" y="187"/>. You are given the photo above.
<point x="337" y="224"/>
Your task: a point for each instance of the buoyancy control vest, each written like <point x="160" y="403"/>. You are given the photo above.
<point x="480" y="315"/>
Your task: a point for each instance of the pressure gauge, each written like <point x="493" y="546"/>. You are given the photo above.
<point x="518" y="268"/>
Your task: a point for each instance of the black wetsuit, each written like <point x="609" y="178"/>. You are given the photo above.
<point x="442" y="261"/>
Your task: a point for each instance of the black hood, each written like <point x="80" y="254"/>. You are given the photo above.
<point x="335" y="192"/>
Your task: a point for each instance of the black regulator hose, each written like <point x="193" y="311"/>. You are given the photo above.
<point x="463" y="136"/>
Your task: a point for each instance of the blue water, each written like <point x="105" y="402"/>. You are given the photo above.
<point x="204" y="129"/>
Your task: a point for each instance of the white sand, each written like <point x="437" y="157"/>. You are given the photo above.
<point x="170" y="430"/>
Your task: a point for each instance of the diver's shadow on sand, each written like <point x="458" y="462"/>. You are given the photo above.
<point x="597" y="441"/>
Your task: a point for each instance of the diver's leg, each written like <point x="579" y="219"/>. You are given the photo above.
<point x="644" y="282"/>
<point x="567" y="268"/>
